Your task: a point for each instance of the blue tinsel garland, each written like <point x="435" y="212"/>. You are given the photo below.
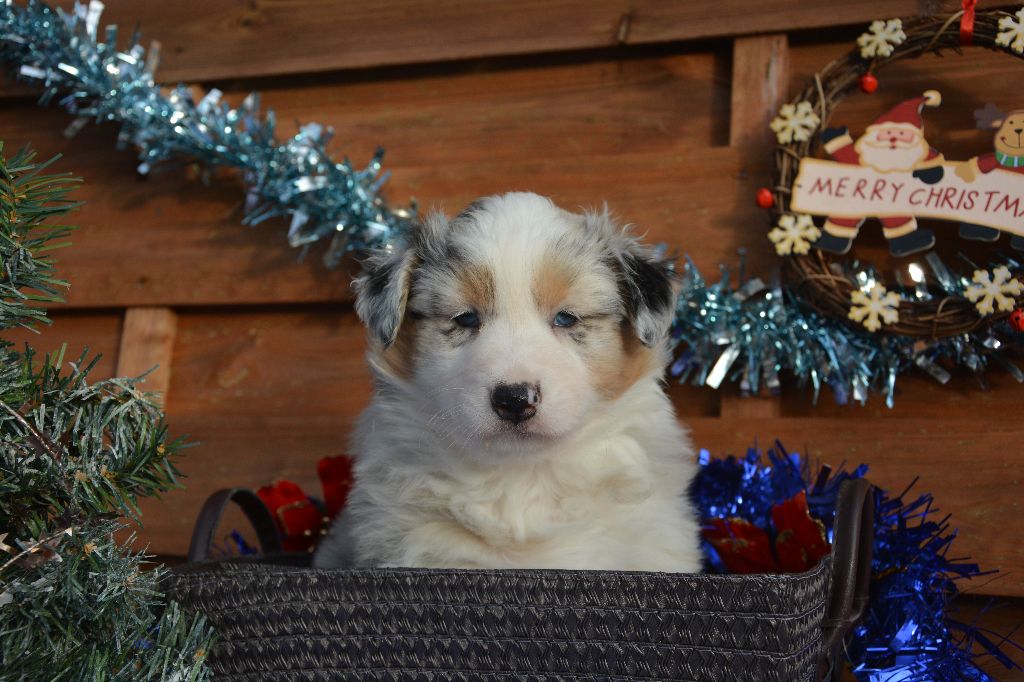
<point x="908" y="633"/>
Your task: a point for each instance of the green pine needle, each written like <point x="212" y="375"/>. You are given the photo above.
<point x="75" y="457"/>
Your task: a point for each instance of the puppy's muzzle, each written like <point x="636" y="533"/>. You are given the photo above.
<point x="515" y="402"/>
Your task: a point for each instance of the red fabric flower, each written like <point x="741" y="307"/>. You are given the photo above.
<point x="800" y="541"/>
<point x="743" y="547"/>
<point x="298" y="519"/>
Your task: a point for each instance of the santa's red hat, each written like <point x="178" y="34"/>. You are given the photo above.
<point x="909" y="112"/>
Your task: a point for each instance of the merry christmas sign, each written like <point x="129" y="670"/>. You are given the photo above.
<point x="995" y="199"/>
<point x="893" y="174"/>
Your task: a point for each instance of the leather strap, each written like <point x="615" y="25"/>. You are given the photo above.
<point x="852" y="547"/>
<point x="213" y="509"/>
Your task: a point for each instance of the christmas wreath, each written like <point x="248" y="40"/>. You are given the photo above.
<point x="952" y="306"/>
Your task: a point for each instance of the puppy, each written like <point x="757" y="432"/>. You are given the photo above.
<point x="518" y="419"/>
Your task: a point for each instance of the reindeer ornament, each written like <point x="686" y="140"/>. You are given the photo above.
<point x="1008" y="155"/>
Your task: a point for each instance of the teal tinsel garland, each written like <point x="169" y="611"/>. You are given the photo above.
<point x="325" y="199"/>
<point x="752" y="334"/>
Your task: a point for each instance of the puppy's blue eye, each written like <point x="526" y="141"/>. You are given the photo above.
<point x="564" y="319"/>
<point x="467" y="319"/>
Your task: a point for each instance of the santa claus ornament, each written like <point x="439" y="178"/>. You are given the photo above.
<point x="832" y="184"/>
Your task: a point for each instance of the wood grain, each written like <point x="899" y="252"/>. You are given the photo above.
<point x="970" y="465"/>
<point x="147" y="342"/>
<point x="267" y="392"/>
<point x="637" y="133"/>
<point x="760" y="75"/>
<point x="217" y="40"/>
<point x="95" y="332"/>
<point x="267" y="358"/>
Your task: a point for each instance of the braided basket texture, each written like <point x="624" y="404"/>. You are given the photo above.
<point x="284" y="622"/>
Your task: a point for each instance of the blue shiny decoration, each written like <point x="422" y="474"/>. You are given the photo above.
<point x="756" y="332"/>
<point x="909" y="632"/>
<point x="323" y="198"/>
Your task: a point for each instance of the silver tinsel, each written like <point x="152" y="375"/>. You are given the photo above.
<point x="324" y="198"/>
<point x="752" y="334"/>
<point x="756" y="332"/>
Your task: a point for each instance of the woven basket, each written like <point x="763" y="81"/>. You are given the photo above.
<point x="277" y="619"/>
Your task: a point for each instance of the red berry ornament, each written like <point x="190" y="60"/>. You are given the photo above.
<point x="1017" y="320"/>
<point x="765" y="198"/>
<point x="868" y="83"/>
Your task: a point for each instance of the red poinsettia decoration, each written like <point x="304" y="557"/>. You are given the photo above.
<point x="799" y="545"/>
<point x="301" y="520"/>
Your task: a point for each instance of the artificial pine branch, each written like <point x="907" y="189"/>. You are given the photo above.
<point x="26" y="200"/>
<point x="75" y="457"/>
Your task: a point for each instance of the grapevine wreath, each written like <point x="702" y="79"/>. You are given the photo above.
<point x="750" y="332"/>
<point x="819" y="277"/>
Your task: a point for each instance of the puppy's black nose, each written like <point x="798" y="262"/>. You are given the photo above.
<point x="1018" y="130"/>
<point x="515" y="402"/>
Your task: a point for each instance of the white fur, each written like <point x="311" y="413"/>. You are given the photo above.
<point x="590" y="482"/>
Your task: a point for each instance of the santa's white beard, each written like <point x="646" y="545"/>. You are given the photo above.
<point x="883" y="158"/>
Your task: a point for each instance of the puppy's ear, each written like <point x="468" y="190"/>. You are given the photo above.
<point x="648" y="285"/>
<point x="382" y="291"/>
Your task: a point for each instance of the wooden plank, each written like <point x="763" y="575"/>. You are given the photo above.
<point x="210" y="41"/>
<point x="97" y="332"/>
<point x="241" y="383"/>
<point x="760" y="75"/>
<point x="268" y="392"/>
<point x="636" y="133"/>
<point x="147" y="341"/>
<point x="644" y="149"/>
<point x="760" y="72"/>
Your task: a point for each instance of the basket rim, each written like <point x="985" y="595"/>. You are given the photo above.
<point x="285" y="563"/>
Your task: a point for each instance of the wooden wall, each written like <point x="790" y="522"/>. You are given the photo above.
<point x="657" y="107"/>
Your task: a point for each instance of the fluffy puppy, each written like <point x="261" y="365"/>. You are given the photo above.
<point x="518" y="418"/>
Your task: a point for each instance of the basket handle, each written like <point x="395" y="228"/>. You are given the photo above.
<point x="213" y="509"/>
<point x="852" y="545"/>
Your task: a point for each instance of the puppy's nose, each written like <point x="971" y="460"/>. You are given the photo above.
<point x="515" y="402"/>
<point x="1018" y="130"/>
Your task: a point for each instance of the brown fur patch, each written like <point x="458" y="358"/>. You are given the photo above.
<point x="399" y="357"/>
<point x="616" y="370"/>
<point x="552" y="283"/>
<point x="476" y="286"/>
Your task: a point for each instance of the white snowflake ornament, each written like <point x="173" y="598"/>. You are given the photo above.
<point x="1011" y="33"/>
<point x="795" y="123"/>
<point x="989" y="291"/>
<point x="882" y="37"/>
<point x="794" y="234"/>
<point x="875" y="308"/>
